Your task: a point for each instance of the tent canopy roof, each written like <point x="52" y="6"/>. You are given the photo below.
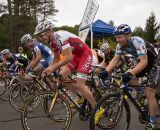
<point x="102" y="29"/>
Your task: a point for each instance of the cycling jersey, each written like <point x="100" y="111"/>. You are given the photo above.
<point x="47" y="55"/>
<point x="82" y="56"/>
<point x="45" y="51"/>
<point x="138" y="47"/>
<point x="10" y="60"/>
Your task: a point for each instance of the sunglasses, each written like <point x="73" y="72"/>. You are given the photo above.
<point x="20" y="49"/>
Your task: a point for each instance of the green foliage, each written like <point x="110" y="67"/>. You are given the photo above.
<point x="151" y="28"/>
<point x="4" y="33"/>
<point x="22" y="19"/>
<point x="111" y="22"/>
<point x="73" y="30"/>
<point x="21" y="25"/>
<point x="138" y="31"/>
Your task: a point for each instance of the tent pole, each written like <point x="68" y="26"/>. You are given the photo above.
<point x="91" y="37"/>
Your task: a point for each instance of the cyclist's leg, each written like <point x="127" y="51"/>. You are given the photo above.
<point x="150" y="93"/>
<point x="65" y="71"/>
<point x="83" y="70"/>
<point x="85" y="91"/>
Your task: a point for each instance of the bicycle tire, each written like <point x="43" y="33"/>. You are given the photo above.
<point x="124" y="106"/>
<point x="24" y="118"/>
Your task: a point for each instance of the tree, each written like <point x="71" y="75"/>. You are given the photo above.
<point x="138" y="31"/>
<point x="71" y="29"/>
<point x="21" y="17"/>
<point x="46" y="8"/>
<point x="10" y="24"/>
<point x="111" y="22"/>
<point x="151" y="28"/>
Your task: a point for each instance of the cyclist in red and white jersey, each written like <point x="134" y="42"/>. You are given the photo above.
<point x="76" y="56"/>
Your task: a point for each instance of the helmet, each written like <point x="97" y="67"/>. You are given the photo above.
<point x="25" y="39"/>
<point x="42" y="26"/>
<point x="157" y="36"/>
<point x="5" y="51"/>
<point x="104" y="47"/>
<point x="122" y="29"/>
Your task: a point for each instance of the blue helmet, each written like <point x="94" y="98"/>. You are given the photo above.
<point x="122" y="29"/>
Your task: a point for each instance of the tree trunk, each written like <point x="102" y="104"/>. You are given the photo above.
<point x="10" y="25"/>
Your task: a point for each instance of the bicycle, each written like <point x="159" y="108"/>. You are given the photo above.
<point x="26" y="88"/>
<point x="114" y="104"/>
<point x="56" y="105"/>
<point x="13" y="80"/>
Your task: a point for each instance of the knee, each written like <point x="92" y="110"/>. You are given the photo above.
<point x="80" y="85"/>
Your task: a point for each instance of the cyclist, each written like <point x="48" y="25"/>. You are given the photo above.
<point x="108" y="53"/>
<point x="10" y="60"/>
<point x="147" y="56"/>
<point x="42" y="55"/>
<point x="76" y="56"/>
<point x="157" y="38"/>
<point x="21" y="53"/>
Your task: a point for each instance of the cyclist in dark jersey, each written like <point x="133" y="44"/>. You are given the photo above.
<point x="10" y="60"/>
<point x="147" y="56"/>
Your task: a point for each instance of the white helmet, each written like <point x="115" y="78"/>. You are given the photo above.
<point x="26" y="38"/>
<point x="5" y="51"/>
<point x="42" y="26"/>
<point x="157" y="36"/>
<point x="104" y="47"/>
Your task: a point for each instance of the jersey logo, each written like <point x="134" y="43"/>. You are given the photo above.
<point x="87" y="63"/>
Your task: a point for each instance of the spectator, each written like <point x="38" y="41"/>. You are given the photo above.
<point x="21" y="53"/>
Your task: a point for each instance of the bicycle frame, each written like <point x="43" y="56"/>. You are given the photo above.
<point x="61" y="88"/>
<point x="130" y="97"/>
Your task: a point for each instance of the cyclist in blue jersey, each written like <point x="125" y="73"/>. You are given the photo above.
<point x="148" y="63"/>
<point x="42" y="55"/>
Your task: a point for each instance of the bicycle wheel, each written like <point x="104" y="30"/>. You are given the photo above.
<point x="114" y="115"/>
<point x="56" y="112"/>
<point x="3" y="84"/>
<point x="26" y="92"/>
<point x="9" y="86"/>
<point x="30" y="119"/>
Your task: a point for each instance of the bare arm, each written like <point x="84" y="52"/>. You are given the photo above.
<point x="36" y="59"/>
<point x="103" y="63"/>
<point x="32" y="61"/>
<point x="140" y="66"/>
<point x="67" y="57"/>
<point x="113" y="63"/>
